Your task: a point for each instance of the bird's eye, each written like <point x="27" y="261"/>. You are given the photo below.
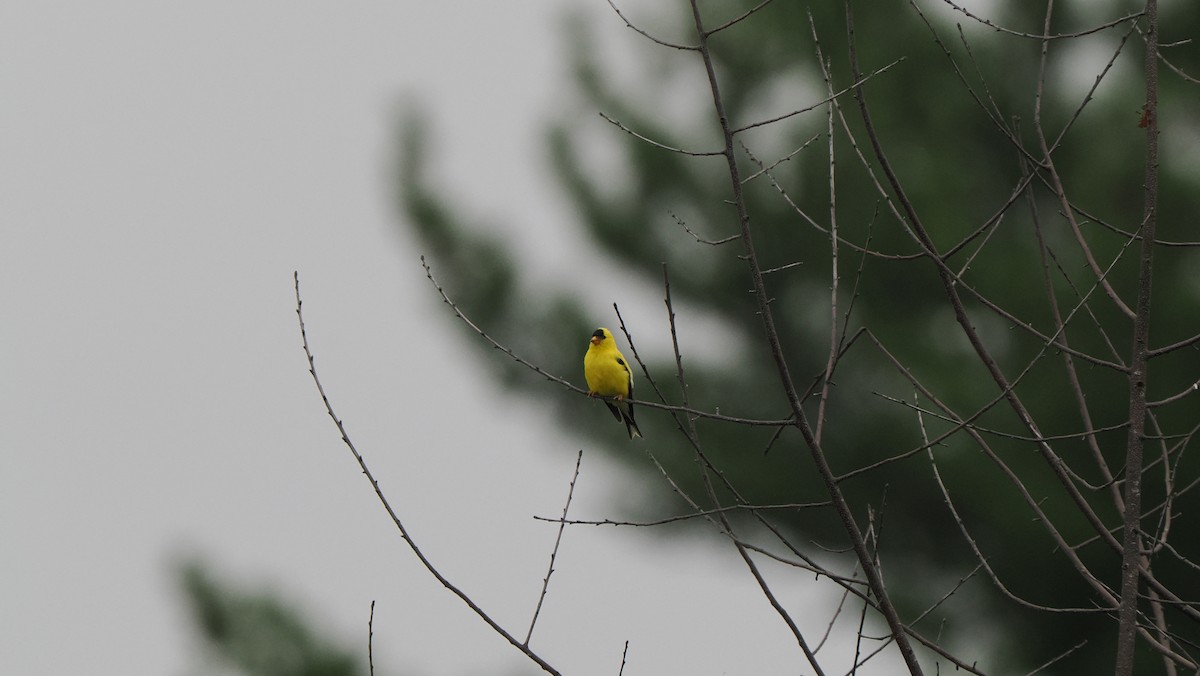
<point x="599" y="334"/>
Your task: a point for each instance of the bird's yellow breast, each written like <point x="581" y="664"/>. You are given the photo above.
<point x="605" y="373"/>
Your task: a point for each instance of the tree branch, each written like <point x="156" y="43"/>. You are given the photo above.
<point x="412" y="544"/>
<point x="1131" y="559"/>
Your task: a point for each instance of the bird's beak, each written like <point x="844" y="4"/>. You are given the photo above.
<point x="595" y="340"/>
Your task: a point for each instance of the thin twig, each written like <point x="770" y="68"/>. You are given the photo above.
<point x="763" y="169"/>
<point x="1091" y="92"/>
<point x="657" y="144"/>
<point x="971" y="542"/>
<point x="371" y="640"/>
<point x="834" y="342"/>
<point x="1064" y="655"/>
<point x="1046" y="35"/>
<point x="708" y="470"/>
<point x="554" y="553"/>
<point x="738" y="19"/>
<point x="837" y="612"/>
<point x="701" y="240"/>
<point x="683" y="389"/>
<point x="832" y="97"/>
<point x="1190" y="389"/>
<point x="1076" y="386"/>
<point x="859" y="635"/>
<point x="955" y="420"/>
<point x="648" y="36"/>
<point x="951" y="592"/>
<point x="702" y="513"/>
<point x="1047" y="162"/>
<point x="1187" y="342"/>
<point x="412" y="545"/>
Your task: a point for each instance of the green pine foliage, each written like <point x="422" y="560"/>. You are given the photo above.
<point x="259" y="633"/>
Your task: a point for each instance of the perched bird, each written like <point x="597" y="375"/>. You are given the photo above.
<point x="608" y="375"/>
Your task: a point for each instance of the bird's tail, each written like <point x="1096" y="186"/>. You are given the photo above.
<point x="631" y="425"/>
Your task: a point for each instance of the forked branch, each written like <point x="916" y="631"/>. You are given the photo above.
<point x="412" y="544"/>
<point x="850" y="525"/>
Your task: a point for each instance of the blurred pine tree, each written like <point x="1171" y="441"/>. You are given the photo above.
<point x="259" y="634"/>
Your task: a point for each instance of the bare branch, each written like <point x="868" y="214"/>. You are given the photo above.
<point x="701" y="240"/>
<point x="1095" y="85"/>
<point x="1175" y="69"/>
<point x="1046" y="35"/>
<point x="979" y="556"/>
<point x="700" y="513"/>
<point x="656" y="144"/>
<point x="412" y="544"/>
<point x="834" y="342"/>
<point x="818" y="104"/>
<point x="1175" y="397"/>
<point x="1047" y="161"/>
<point x="1136" y="235"/>
<point x="842" y="507"/>
<point x="1066" y="653"/>
<point x="836" y="613"/>
<point x="554" y="553"/>
<point x="738" y="19"/>
<point x="766" y="171"/>
<point x="707" y="470"/>
<point x="648" y="36"/>
<point x="951" y="285"/>
<point x="371" y="640"/>
<point x="567" y="384"/>
<point x="1132" y="560"/>
<point x="785" y="158"/>
<point x="1160" y="351"/>
<point x="1068" y="361"/>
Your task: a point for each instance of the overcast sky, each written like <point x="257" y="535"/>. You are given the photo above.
<point x="164" y="167"/>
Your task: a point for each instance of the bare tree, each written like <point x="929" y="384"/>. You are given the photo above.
<point x="1028" y="409"/>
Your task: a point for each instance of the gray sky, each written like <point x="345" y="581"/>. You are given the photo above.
<point x="164" y="167"/>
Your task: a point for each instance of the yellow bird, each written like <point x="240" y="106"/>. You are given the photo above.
<point x="609" y="375"/>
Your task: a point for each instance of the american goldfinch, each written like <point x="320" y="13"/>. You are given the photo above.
<point x="608" y="375"/>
